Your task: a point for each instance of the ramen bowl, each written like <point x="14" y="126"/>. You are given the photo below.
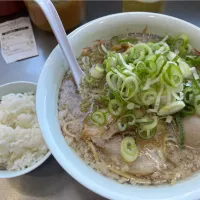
<point x="47" y="99"/>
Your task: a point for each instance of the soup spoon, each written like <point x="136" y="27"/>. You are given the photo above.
<point x="61" y="36"/>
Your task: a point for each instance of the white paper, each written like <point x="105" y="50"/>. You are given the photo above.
<point x="17" y="40"/>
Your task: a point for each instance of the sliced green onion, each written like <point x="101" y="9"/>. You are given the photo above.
<point x="128" y="149"/>
<point x="139" y="56"/>
<point x="151" y="57"/>
<point x="103" y="110"/>
<point x="165" y="38"/>
<point x="193" y="60"/>
<point x="122" y="76"/>
<point x="188" y="110"/>
<point x="129" y="67"/>
<point x="113" y="81"/>
<point x="178" y="89"/>
<point x="147" y="84"/>
<point x="151" y="110"/>
<point x="173" y="76"/>
<point x="154" y="46"/>
<point x="164" y="47"/>
<point x="171" y="108"/>
<point x="149" y="76"/>
<point x="185" y="69"/>
<point x="189" y="48"/>
<point x="194" y="72"/>
<point x="143" y="47"/>
<point x="97" y="72"/>
<point x="158" y="98"/>
<point x="111" y="62"/>
<point x="116" y="95"/>
<point x="176" y="96"/>
<point x="128" y="119"/>
<point x="170" y="40"/>
<point x="130" y="106"/>
<point x="150" y="44"/>
<point x="147" y="134"/>
<point x="152" y="67"/>
<point x="171" y="56"/>
<point x="151" y="124"/>
<point x="148" y="98"/>
<point x="181" y="40"/>
<point x="141" y="67"/>
<point x="189" y="95"/>
<point x="121" y="126"/>
<point x="115" y="107"/>
<point x="138" y="52"/>
<point x="148" y="68"/>
<point x="161" y="60"/>
<point x="112" y="85"/>
<point x="165" y="67"/>
<point x="137" y="100"/>
<point x="89" y="79"/>
<point x="129" y="88"/>
<point x="128" y="72"/>
<point x="180" y="44"/>
<point x="125" y="121"/>
<point x="98" y="117"/>
<point x="144" y="119"/>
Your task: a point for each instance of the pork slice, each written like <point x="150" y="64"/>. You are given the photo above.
<point x="100" y="133"/>
<point x="173" y="152"/>
<point x="92" y="131"/>
<point x="147" y="162"/>
<point x="110" y="131"/>
<point x="112" y="146"/>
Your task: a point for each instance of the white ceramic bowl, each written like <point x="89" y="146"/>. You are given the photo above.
<point x="47" y="96"/>
<point x="19" y="87"/>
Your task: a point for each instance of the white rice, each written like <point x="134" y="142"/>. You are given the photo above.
<point x="21" y="141"/>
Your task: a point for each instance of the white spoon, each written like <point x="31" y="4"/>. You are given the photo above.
<point x="61" y="36"/>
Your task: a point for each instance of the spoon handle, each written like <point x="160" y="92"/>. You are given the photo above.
<point x="61" y="36"/>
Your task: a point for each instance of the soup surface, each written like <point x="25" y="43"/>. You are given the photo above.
<point x="135" y="117"/>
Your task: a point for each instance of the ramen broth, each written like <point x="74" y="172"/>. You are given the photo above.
<point x="163" y="157"/>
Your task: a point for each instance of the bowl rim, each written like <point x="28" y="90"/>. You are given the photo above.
<point x="57" y="153"/>
<point x="18" y="82"/>
<point x="12" y="174"/>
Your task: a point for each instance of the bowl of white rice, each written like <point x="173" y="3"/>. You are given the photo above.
<point x="22" y="147"/>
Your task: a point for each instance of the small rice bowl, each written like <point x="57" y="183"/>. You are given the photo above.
<point x="21" y="141"/>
